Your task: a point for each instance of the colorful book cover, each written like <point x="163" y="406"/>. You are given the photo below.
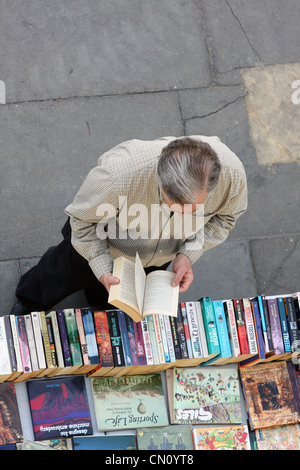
<point x="250" y="326"/>
<point x="210" y="325"/>
<point x="129" y="402"/>
<point x="115" y="338"/>
<point x="177" y="437"/>
<point x="284" y="325"/>
<point x="118" y="442"/>
<point x="275" y="326"/>
<point x="10" y="422"/>
<point x="279" y="438"/>
<point x="103" y="339"/>
<point x="73" y="337"/>
<point x="131" y="338"/>
<point x="272" y="394"/>
<point x="207" y="395"/>
<point x="90" y="336"/>
<point x="221" y="438"/>
<point x="241" y="327"/>
<point x="59" y="407"/>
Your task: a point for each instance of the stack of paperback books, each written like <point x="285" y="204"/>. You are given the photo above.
<point x="97" y="343"/>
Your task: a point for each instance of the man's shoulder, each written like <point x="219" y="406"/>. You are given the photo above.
<point x="133" y="155"/>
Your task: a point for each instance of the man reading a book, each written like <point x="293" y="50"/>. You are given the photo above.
<point x="135" y="201"/>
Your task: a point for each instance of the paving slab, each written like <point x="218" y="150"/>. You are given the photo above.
<point x="274" y="112"/>
<point x="224" y="272"/>
<point x="276" y="262"/>
<point x="47" y="150"/>
<point x="52" y="49"/>
<point x="273" y="205"/>
<point x="9" y="275"/>
<point x="252" y="33"/>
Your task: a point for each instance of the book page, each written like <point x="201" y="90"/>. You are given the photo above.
<point x="160" y="296"/>
<point x="140" y="282"/>
<point x="126" y="293"/>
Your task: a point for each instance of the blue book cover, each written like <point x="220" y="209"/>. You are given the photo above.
<point x="284" y="325"/>
<point x="90" y="336"/>
<point x="222" y="328"/>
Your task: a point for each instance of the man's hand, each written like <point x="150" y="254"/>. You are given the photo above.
<point x="108" y="279"/>
<point x="182" y="267"/>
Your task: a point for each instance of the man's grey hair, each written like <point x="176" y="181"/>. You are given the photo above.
<point x="186" y="168"/>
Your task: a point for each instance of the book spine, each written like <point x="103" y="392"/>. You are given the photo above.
<point x="147" y="341"/>
<point x="138" y="333"/>
<point x="264" y="309"/>
<point x="124" y="338"/>
<point x="90" y="335"/>
<point x="56" y="337"/>
<point x="210" y="325"/>
<point x="181" y="335"/>
<point x="115" y="337"/>
<point x="292" y="322"/>
<point x="232" y="328"/>
<point x="275" y="326"/>
<point x="64" y="338"/>
<point x="46" y="342"/>
<point x="23" y="341"/>
<point x="164" y="338"/>
<point x="174" y="329"/>
<point x="222" y="328"/>
<point x="250" y="326"/>
<point x="194" y="329"/>
<point x="241" y="327"/>
<point x="72" y="332"/>
<point x="284" y="325"/>
<point x="160" y="349"/>
<point x="103" y="339"/>
<point x="186" y="329"/>
<point x="51" y="341"/>
<point x="296" y="298"/>
<point x="10" y="344"/>
<point x="263" y="324"/>
<point x="169" y="336"/>
<point x="258" y="328"/>
<point x="36" y="325"/>
<point x="150" y="323"/>
<point x="5" y="365"/>
<point x="132" y="342"/>
<point x="201" y="329"/>
<point x="82" y="337"/>
<point x="15" y="336"/>
<point x="31" y="343"/>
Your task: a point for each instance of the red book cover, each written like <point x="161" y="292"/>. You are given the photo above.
<point x="241" y="327"/>
<point x="103" y="339"/>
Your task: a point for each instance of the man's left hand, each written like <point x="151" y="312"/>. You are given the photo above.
<point x="182" y="267"/>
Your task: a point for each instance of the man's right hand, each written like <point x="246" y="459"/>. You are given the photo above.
<point x="108" y="279"/>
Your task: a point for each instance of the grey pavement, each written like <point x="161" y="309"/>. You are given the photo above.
<point x="84" y="75"/>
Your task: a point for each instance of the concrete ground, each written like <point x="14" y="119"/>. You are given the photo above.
<point x="84" y="75"/>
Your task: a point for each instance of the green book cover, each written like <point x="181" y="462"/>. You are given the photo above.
<point x="129" y="402"/>
<point x="72" y="332"/>
<point x="173" y="437"/>
<point x="210" y="325"/>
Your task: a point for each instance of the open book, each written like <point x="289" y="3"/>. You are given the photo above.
<point x="139" y="294"/>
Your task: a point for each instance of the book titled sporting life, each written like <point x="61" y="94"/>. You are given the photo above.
<point x="129" y="402"/>
<point x="199" y="396"/>
<point x="139" y="294"/>
<point x="59" y="407"/>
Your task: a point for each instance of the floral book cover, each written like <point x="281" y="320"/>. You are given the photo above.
<point x="207" y="395"/>
<point x="272" y="394"/>
<point x="279" y="438"/>
<point x="59" y="407"/>
<point x="129" y="402"/>
<point x="222" y="438"/>
<point x="10" y="423"/>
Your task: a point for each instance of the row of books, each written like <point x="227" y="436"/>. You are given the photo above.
<point x="193" y="399"/>
<point x="80" y="341"/>
<point x="179" y="438"/>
